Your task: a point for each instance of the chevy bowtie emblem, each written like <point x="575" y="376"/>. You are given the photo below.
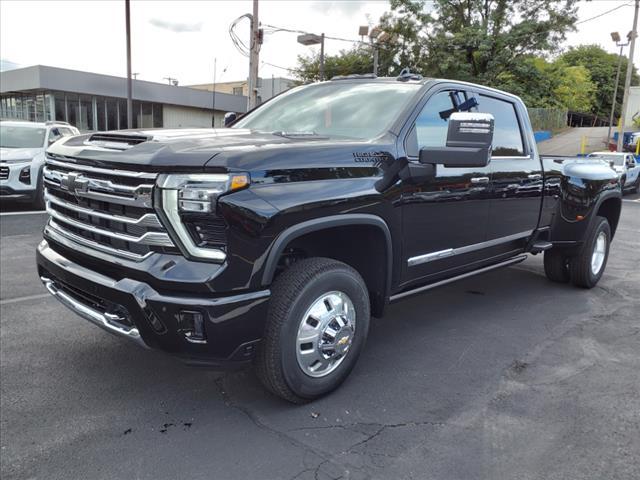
<point x="343" y="341"/>
<point x="74" y="182"/>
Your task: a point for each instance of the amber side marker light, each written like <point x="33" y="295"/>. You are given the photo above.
<point x="239" y="181"/>
<point x="579" y="217"/>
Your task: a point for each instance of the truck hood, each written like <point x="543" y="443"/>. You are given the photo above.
<point x="14" y="154"/>
<point x="184" y="149"/>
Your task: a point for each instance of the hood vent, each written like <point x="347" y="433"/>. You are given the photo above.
<point x="116" y="141"/>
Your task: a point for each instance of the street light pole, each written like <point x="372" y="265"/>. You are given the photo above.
<point x="375" y="60"/>
<point x="627" y="82"/>
<point x="313" y="39"/>
<point x="129" y="82"/>
<point x="213" y="95"/>
<point x="322" y="57"/>
<point x="616" y="38"/>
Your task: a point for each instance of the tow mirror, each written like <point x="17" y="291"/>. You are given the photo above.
<point x="469" y="140"/>
<point x="229" y="118"/>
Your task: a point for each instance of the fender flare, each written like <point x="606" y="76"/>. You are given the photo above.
<point x="603" y="198"/>
<point x="322" y="223"/>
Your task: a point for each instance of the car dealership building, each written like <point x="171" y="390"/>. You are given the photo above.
<point x="94" y="102"/>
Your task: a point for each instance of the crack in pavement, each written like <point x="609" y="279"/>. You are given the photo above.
<point x="324" y="457"/>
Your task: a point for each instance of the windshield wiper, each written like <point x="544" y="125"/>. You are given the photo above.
<point x="296" y="134"/>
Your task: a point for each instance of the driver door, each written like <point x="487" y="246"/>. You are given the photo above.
<point x="445" y="217"/>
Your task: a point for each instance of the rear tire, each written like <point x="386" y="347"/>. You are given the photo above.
<point x="587" y="267"/>
<point x="636" y="187"/>
<point x="556" y="266"/>
<point x="316" y="327"/>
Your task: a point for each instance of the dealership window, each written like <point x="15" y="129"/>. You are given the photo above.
<point x="157" y="115"/>
<point x="101" y="110"/>
<point x="73" y="109"/>
<point x="85" y="108"/>
<point x="122" y="114"/>
<point x="112" y="113"/>
<point x="146" y="115"/>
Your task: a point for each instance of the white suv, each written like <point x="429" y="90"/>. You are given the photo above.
<point x="22" y="147"/>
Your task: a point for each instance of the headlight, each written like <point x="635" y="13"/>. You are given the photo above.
<point x="198" y="192"/>
<point x="186" y="195"/>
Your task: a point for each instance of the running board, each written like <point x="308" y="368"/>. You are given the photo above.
<point x="511" y="261"/>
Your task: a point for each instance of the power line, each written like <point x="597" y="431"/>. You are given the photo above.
<point x="293" y="70"/>
<point x="603" y="13"/>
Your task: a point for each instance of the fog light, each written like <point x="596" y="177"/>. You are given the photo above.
<point x="25" y="175"/>
<point x="191" y="324"/>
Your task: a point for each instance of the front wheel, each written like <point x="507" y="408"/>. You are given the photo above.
<point x="38" y="202"/>
<point x="588" y="265"/>
<point x="317" y="325"/>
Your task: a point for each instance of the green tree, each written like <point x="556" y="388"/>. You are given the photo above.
<point x="550" y="84"/>
<point x="476" y="40"/>
<point x="354" y="61"/>
<point x="574" y="88"/>
<point x="602" y="68"/>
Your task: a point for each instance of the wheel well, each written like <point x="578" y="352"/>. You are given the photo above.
<point x="610" y="209"/>
<point x="363" y="247"/>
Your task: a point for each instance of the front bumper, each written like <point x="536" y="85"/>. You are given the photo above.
<point x="134" y="310"/>
<point x="12" y="187"/>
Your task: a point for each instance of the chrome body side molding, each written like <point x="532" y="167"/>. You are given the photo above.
<point x="430" y="257"/>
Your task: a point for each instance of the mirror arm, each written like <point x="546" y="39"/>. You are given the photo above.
<point x="417" y="172"/>
<point x="452" y="156"/>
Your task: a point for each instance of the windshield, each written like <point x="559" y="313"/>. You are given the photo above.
<point x="21" y="137"/>
<point x="616" y="159"/>
<point x="335" y="109"/>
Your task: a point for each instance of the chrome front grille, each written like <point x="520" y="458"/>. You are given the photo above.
<point x="4" y="173"/>
<point x="106" y="211"/>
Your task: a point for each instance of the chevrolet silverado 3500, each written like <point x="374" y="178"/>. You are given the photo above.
<point x="274" y="241"/>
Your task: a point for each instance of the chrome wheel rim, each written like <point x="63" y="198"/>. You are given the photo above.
<point x="325" y="334"/>
<point x="599" y="252"/>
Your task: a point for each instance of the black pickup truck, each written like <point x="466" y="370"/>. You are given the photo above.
<point x="274" y="241"/>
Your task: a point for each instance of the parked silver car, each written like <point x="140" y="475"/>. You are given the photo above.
<point x="22" y="147"/>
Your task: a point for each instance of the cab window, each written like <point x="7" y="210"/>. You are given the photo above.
<point x="507" y="136"/>
<point x="54" y="135"/>
<point x="66" y="132"/>
<point x="431" y="126"/>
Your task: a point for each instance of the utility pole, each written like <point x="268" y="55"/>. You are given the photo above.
<point x="615" y="36"/>
<point x="375" y="60"/>
<point x="129" y="82"/>
<point x="213" y="95"/>
<point x="322" y="57"/>
<point x="627" y="82"/>
<point x="253" y="57"/>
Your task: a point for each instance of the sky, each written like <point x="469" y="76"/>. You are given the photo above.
<point x="180" y="39"/>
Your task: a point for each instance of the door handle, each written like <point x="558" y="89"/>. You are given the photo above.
<point x="535" y="176"/>
<point x="478" y="180"/>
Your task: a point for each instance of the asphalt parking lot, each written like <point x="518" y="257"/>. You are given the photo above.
<point x="501" y="376"/>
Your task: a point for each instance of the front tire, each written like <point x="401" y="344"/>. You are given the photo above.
<point x="317" y="325"/>
<point x="38" y="202"/>
<point x="587" y="267"/>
